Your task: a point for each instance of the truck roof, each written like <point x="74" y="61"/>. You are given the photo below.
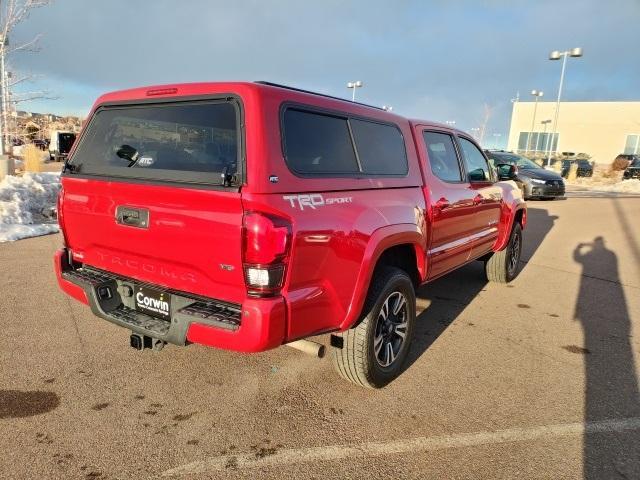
<point x="203" y="88"/>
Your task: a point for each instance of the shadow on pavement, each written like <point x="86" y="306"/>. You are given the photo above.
<point x="450" y="295"/>
<point x="612" y="390"/>
<point x="610" y="375"/>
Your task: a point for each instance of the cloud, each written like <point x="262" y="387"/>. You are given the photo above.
<point x="437" y="60"/>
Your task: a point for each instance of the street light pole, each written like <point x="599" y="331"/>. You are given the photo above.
<point x="354" y="85"/>
<point x="536" y="94"/>
<point x="557" y="113"/>
<point x="555" y="55"/>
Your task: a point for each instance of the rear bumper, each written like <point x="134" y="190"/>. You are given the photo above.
<point x="256" y="325"/>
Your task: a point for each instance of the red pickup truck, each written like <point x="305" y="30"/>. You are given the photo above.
<point x="245" y="216"/>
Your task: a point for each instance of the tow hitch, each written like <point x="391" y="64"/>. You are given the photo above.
<point x="142" y="342"/>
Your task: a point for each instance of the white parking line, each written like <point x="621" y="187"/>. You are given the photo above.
<point x="418" y="444"/>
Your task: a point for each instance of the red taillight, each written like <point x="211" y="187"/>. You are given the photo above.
<point x="266" y="244"/>
<point x="266" y="238"/>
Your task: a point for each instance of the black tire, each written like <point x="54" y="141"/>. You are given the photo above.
<point x="503" y="266"/>
<point x="365" y="346"/>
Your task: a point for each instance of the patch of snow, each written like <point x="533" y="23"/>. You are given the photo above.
<point x="607" y="185"/>
<point x="625" y="186"/>
<point x="13" y="232"/>
<point x="601" y="176"/>
<point x="28" y="205"/>
<point x="604" y="180"/>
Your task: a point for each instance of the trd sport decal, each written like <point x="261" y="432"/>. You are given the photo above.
<point x="314" y="200"/>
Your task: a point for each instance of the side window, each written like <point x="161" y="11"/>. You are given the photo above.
<point x="477" y="167"/>
<point x="318" y="143"/>
<point x="442" y="156"/>
<point x="380" y="148"/>
<point x="326" y="144"/>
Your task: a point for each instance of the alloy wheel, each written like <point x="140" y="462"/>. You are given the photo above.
<point x="514" y="252"/>
<point x="391" y="329"/>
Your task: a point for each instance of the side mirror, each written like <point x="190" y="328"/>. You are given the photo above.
<point x="506" y="171"/>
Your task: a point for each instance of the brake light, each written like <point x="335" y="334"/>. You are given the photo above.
<point x="266" y="238"/>
<point x="266" y="245"/>
<point x="161" y="91"/>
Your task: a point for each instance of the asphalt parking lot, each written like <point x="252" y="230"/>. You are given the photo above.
<point x="537" y="379"/>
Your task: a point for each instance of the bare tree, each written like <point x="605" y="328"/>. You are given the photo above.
<point x="12" y="12"/>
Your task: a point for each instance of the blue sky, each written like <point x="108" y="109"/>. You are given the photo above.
<point x="439" y="60"/>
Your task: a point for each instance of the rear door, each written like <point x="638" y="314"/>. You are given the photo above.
<point x="486" y="197"/>
<point x="451" y="203"/>
<point x="152" y="193"/>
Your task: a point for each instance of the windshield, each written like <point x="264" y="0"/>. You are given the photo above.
<point x="517" y="160"/>
<point x="193" y="142"/>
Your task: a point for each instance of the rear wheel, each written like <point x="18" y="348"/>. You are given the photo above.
<point x="373" y="353"/>
<point x="502" y="266"/>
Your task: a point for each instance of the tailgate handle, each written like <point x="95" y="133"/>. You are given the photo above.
<point x="133" y="217"/>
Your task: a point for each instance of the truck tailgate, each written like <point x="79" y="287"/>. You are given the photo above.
<point x="190" y="242"/>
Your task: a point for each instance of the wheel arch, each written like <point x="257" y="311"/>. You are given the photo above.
<point x="402" y="246"/>
<point x="511" y="213"/>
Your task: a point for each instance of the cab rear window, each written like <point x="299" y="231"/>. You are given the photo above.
<point x="328" y="145"/>
<point x="193" y="142"/>
<point x="318" y="144"/>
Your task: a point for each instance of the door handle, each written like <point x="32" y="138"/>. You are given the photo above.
<point x="477" y="200"/>
<point x="442" y="204"/>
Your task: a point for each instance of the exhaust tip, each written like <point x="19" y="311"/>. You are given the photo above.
<point x="308" y="347"/>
